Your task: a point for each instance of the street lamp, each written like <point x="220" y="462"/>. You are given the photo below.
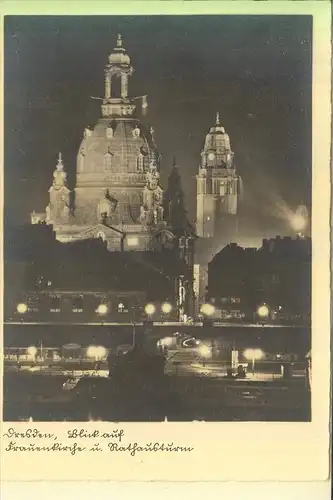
<point x="166" y="308"/>
<point x="207" y="309"/>
<point x="96" y="352"/>
<point x="253" y="355"/>
<point x="263" y="311"/>
<point x="22" y="308"/>
<point x="102" y="309"/>
<point x="32" y="351"/>
<point x="204" y="351"/>
<point x="150" y="309"/>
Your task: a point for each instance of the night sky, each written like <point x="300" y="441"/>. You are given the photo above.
<point x="254" y="70"/>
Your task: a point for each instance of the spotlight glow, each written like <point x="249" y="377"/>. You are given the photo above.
<point x="298" y="223"/>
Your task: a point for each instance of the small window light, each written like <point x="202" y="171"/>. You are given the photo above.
<point x="132" y="241"/>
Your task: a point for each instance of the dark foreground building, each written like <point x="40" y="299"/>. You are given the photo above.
<point x="272" y="283"/>
<point x="49" y="281"/>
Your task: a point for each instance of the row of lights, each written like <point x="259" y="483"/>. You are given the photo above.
<point x="96" y="352"/>
<point x="209" y="310"/>
<point x="102" y="309"/>
<point x="166" y="308"/>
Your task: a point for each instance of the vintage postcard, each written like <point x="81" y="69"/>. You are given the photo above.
<point x="166" y="241"/>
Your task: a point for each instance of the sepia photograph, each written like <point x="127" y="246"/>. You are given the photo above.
<point x="157" y="218"/>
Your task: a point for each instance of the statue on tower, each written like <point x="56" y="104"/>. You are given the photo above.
<point x="58" y="209"/>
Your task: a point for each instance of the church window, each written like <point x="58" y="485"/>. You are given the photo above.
<point x="140" y="163"/>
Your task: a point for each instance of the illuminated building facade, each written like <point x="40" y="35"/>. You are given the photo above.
<point x="118" y="196"/>
<point x="218" y="184"/>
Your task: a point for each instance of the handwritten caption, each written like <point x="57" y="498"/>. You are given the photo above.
<point x="78" y="441"/>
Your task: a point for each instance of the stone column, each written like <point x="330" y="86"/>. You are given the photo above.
<point x="124" y="86"/>
<point x="107" y="86"/>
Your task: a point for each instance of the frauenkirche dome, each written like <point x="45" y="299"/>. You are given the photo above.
<point x="118" y="190"/>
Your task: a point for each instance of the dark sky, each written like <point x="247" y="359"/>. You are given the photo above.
<point x="255" y="70"/>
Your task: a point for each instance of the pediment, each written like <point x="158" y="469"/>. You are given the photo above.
<point x="99" y="230"/>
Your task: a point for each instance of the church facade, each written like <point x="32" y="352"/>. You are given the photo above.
<point x="118" y="196"/>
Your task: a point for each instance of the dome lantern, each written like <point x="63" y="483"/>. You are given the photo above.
<point x="117" y="102"/>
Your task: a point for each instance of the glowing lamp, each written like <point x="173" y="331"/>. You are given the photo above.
<point x="204" y="351"/>
<point x="22" y="308"/>
<point x="166" y="308"/>
<point x="150" y="309"/>
<point x="32" y="351"/>
<point x="263" y="311"/>
<point x="207" y="309"/>
<point x="96" y="352"/>
<point x="102" y="309"/>
<point x="253" y="354"/>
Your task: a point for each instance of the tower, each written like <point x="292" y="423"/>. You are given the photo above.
<point x="218" y="189"/>
<point x="217" y="183"/>
<point x="184" y="238"/>
<point x="58" y="209"/>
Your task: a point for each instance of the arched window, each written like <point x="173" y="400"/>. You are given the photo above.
<point x="109" y="132"/>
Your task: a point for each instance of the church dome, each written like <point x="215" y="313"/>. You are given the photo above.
<point x="116" y="145"/>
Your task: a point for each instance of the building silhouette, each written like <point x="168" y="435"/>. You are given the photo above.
<point x="277" y="275"/>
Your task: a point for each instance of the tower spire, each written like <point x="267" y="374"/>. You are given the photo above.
<point x="60" y="162"/>
<point x="119" y="40"/>
<point x="174" y="161"/>
<point x="218" y="118"/>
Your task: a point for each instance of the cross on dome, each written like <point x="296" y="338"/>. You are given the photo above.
<point x="217" y="118"/>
